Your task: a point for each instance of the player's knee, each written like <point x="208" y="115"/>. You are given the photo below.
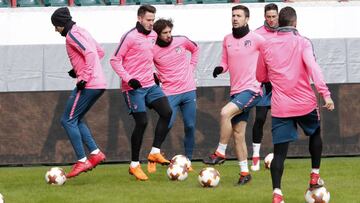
<point x="190" y="128"/>
<point x="141" y="123"/>
<point x="225" y="114"/>
<point x="65" y="121"/>
<point x="260" y="120"/>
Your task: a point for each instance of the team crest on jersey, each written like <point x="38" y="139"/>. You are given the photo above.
<point x="247" y="43"/>
<point x="178" y="50"/>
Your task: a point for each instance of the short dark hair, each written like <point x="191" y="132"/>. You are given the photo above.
<point x="287" y="16"/>
<point x="146" y="8"/>
<point x="270" y="7"/>
<point x="161" y="24"/>
<point x="244" y="8"/>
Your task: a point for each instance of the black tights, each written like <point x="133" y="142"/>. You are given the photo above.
<point x="162" y="107"/>
<point x="260" y="118"/>
<point x="280" y="152"/>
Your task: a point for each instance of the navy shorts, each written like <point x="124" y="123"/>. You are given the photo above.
<point x="245" y="100"/>
<point x="137" y="100"/>
<point x="285" y="129"/>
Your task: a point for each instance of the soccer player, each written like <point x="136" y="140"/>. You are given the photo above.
<point x="267" y="31"/>
<point x="239" y="57"/>
<point x="176" y="73"/>
<point x="287" y="61"/>
<point x="85" y="55"/>
<point x="133" y="62"/>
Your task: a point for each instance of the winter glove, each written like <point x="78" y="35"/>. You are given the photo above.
<point x="72" y="73"/>
<point x="156" y="79"/>
<point x="134" y="83"/>
<point x="218" y="70"/>
<point x="81" y="85"/>
<point x="268" y="87"/>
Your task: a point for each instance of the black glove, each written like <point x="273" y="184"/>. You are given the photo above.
<point x="134" y="83"/>
<point x="72" y="73"/>
<point x="218" y="70"/>
<point x="268" y="87"/>
<point x="156" y="79"/>
<point x="81" y="85"/>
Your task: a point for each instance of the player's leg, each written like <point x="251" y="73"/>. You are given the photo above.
<point x="160" y="103"/>
<point x="188" y="110"/>
<point x="77" y="105"/>
<point x="284" y="130"/>
<point x="277" y="169"/>
<point x="227" y="113"/>
<point x="241" y="149"/>
<point x="96" y="156"/>
<point x="240" y="102"/>
<point x="135" y="100"/>
<point x="260" y="118"/>
<point x="310" y="123"/>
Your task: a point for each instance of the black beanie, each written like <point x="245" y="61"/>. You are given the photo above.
<point x="60" y="17"/>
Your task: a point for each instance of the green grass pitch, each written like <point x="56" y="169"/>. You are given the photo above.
<point x="112" y="183"/>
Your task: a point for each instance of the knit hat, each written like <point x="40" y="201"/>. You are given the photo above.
<point x="60" y="17"/>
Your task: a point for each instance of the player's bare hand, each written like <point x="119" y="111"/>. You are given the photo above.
<point x="329" y="104"/>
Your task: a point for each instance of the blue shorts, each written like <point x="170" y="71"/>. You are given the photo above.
<point x="138" y="99"/>
<point x="265" y="99"/>
<point x="285" y="129"/>
<point x="245" y="100"/>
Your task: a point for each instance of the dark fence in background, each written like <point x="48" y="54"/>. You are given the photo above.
<point x="30" y="130"/>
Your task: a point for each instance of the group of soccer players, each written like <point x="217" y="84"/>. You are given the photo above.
<point x="272" y="61"/>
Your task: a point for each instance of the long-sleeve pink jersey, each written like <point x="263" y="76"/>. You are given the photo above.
<point x="133" y="59"/>
<point x="288" y="61"/>
<point x="85" y="55"/>
<point x="265" y="32"/>
<point x="239" y="57"/>
<point x="175" y="70"/>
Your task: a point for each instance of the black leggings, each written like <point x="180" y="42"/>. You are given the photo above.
<point x="260" y="118"/>
<point x="280" y="152"/>
<point x="162" y="107"/>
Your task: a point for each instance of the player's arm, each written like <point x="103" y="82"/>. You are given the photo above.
<point x="117" y="59"/>
<point x="316" y="75"/>
<point x="224" y="57"/>
<point x="261" y="70"/>
<point x="100" y="50"/>
<point x="194" y="50"/>
<point x="78" y="42"/>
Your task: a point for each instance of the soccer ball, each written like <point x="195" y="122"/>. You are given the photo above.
<point x="268" y="159"/>
<point x="209" y="177"/>
<point x="181" y="160"/>
<point x="1" y="198"/>
<point x="55" y="176"/>
<point x="318" y="195"/>
<point x="177" y="172"/>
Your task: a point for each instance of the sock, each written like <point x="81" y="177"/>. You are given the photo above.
<point x="134" y="164"/>
<point x="96" y="151"/>
<point x="256" y="149"/>
<point x="154" y="150"/>
<point x="315" y="170"/>
<point x="83" y="159"/>
<point x="278" y="191"/>
<point x="244" y="166"/>
<point x="221" y="148"/>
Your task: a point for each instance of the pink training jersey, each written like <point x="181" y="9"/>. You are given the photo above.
<point x="239" y="57"/>
<point x="134" y="58"/>
<point x="175" y="70"/>
<point x="85" y="55"/>
<point x="288" y="61"/>
<point x="265" y="32"/>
